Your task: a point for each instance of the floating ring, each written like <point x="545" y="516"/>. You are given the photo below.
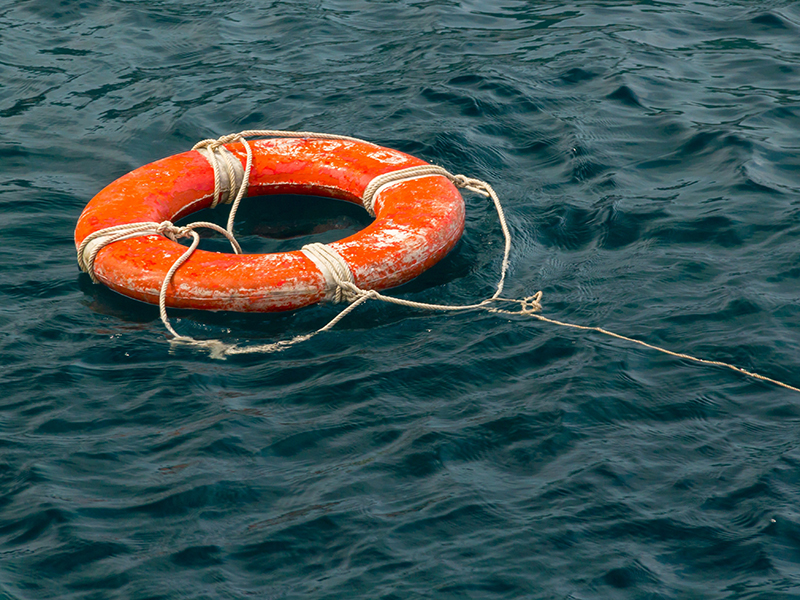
<point x="417" y="222"/>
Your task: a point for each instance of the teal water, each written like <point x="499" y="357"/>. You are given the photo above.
<point x="647" y="157"/>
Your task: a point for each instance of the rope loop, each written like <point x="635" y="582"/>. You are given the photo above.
<point x="232" y="181"/>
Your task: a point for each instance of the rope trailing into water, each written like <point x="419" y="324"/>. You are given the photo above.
<point x="233" y="183"/>
<point x="665" y="351"/>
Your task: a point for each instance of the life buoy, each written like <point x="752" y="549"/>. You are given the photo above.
<point x="417" y="222"/>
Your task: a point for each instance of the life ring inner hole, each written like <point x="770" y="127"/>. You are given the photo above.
<point x="280" y="223"/>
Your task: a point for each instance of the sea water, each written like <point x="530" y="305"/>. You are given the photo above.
<point x="647" y="157"/>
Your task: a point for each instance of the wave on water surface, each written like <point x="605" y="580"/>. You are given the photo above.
<point x="647" y="157"/>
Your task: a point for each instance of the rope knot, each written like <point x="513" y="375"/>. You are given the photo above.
<point x="473" y="185"/>
<point x="531" y="304"/>
<point x="171" y="231"/>
<point x="338" y="276"/>
<point x="460" y="181"/>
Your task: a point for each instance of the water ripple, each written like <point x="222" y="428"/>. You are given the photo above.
<point x="646" y="154"/>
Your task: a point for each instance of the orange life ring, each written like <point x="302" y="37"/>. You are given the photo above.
<point x="417" y="222"/>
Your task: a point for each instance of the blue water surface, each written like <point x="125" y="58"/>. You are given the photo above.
<point x="647" y="156"/>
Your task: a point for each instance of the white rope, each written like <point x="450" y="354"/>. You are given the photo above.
<point x="702" y="361"/>
<point x="237" y="187"/>
<point x="338" y="276"/>
<point x="227" y="181"/>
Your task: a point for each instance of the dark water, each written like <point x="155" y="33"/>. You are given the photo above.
<point x="647" y="155"/>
